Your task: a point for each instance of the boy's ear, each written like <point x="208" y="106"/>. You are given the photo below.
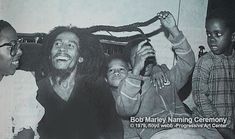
<point x="233" y="37"/>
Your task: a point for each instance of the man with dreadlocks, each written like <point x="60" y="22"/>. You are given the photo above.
<point x="78" y="104"/>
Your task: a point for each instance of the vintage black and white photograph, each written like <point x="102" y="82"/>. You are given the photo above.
<point x="117" y="69"/>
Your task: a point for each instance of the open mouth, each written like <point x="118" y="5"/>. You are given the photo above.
<point x="62" y="58"/>
<point x="15" y="62"/>
<point x="213" y="47"/>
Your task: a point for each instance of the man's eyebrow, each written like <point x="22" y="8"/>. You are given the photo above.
<point x="58" y="39"/>
<point x="74" y="42"/>
<point x="71" y="41"/>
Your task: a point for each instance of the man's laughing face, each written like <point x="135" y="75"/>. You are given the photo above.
<point x="64" y="53"/>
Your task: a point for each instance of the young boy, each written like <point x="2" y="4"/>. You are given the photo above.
<point x="117" y="70"/>
<point x="214" y="75"/>
<point x="137" y="96"/>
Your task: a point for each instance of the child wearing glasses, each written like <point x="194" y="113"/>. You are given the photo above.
<point x="20" y="112"/>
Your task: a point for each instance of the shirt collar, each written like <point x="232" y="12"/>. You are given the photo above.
<point x="222" y="56"/>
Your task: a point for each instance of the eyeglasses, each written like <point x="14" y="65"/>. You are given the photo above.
<point x="15" y="44"/>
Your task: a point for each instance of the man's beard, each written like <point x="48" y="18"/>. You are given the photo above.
<point x="61" y="73"/>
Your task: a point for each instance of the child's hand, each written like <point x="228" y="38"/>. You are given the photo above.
<point x="142" y="53"/>
<point x="158" y="76"/>
<point x="168" y="21"/>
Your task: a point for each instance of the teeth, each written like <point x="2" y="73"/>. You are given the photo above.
<point x="214" y="47"/>
<point x="62" y="58"/>
<point x="15" y="62"/>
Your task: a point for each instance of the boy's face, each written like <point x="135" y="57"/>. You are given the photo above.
<point x="8" y="63"/>
<point x="117" y="71"/>
<point x="219" y="37"/>
<point x="64" y="53"/>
